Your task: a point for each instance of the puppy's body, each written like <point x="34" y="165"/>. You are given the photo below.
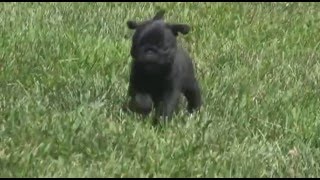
<point x="160" y="69"/>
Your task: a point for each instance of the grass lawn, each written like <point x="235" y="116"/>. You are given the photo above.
<point x="64" y="71"/>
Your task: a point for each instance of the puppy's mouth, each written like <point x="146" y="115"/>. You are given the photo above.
<point x="151" y="56"/>
<point x="149" y="51"/>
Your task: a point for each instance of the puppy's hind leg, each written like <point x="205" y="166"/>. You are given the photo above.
<point x="193" y="95"/>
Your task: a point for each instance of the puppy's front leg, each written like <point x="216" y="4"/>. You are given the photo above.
<point x="168" y="104"/>
<point x="141" y="103"/>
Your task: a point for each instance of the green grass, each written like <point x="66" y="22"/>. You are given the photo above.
<point x="64" y="71"/>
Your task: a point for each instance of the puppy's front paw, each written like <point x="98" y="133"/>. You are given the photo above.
<point x="141" y="103"/>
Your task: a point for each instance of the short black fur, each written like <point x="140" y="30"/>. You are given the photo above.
<point x="161" y="70"/>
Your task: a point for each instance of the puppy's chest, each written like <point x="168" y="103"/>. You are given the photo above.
<point x="151" y="84"/>
<point x="154" y="81"/>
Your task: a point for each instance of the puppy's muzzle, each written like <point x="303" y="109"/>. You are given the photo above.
<point x="150" y="50"/>
<point x="149" y="54"/>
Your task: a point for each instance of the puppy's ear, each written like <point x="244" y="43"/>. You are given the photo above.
<point x="159" y="15"/>
<point x="179" y="28"/>
<point x="132" y="24"/>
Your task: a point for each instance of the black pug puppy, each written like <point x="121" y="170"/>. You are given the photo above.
<point x="160" y="70"/>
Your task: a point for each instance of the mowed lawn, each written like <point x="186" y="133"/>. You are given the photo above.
<point x="64" y="70"/>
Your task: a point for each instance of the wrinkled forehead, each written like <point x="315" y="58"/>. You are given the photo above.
<point x="153" y="31"/>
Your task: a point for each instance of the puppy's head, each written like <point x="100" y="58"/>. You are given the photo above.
<point x="154" y="41"/>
